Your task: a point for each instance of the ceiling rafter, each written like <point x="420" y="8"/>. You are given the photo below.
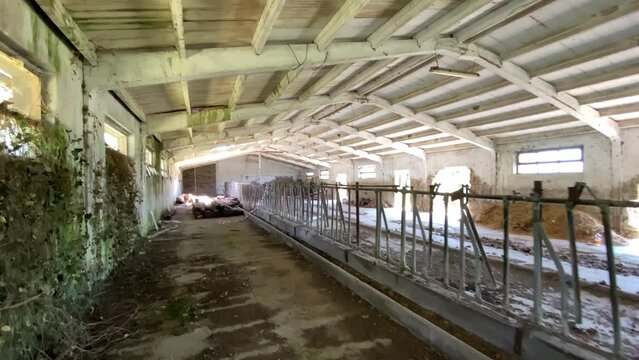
<point x="544" y="90"/>
<point x="334" y="145"/>
<point x="346" y="13"/>
<point x="238" y="88"/>
<point x="399" y="19"/>
<point x="394" y="73"/>
<point x="382" y="140"/>
<point x="427" y="120"/>
<point x="491" y="20"/>
<point x="64" y="21"/>
<point x="271" y="12"/>
<point x="177" y="19"/>
<point x="459" y="13"/>
<point x="331" y="75"/>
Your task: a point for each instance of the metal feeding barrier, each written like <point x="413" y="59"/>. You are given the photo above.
<point x="319" y="207"/>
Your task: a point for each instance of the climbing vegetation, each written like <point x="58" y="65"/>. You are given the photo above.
<point x="48" y="279"/>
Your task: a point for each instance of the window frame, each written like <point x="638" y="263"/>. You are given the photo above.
<point x="374" y="172"/>
<point x="327" y="177"/>
<point x="518" y="163"/>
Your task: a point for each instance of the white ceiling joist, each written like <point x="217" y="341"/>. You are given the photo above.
<point x="271" y="12"/>
<point x="286" y="80"/>
<point x="238" y="89"/>
<point x="177" y="19"/>
<point x="130" y="69"/>
<point x="336" y="146"/>
<point x="401" y="18"/>
<point x="382" y="140"/>
<point x="331" y="75"/>
<point x="455" y="16"/>
<point x="427" y="120"/>
<point x="543" y="90"/>
<point x="64" y="21"/>
<point x="362" y="76"/>
<point x="494" y="18"/>
<point x="185" y="95"/>
<point x="394" y="73"/>
<point x="346" y="13"/>
<point x="130" y="103"/>
<point x="281" y="158"/>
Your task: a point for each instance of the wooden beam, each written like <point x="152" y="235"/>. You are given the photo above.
<point x="131" y="69"/>
<point x="331" y="75"/>
<point x="64" y="21"/>
<point x="362" y="76"/>
<point x="382" y="140"/>
<point x="401" y="18"/>
<point x="600" y="17"/>
<point x="287" y="161"/>
<point x="286" y="80"/>
<point x="185" y="95"/>
<point x="544" y="90"/>
<point x="489" y="21"/>
<point x="336" y="146"/>
<point x="130" y="103"/>
<point x="177" y="18"/>
<point x="238" y="88"/>
<point x="271" y="12"/>
<point x="394" y="73"/>
<point x="458" y="14"/>
<point x="346" y="13"/>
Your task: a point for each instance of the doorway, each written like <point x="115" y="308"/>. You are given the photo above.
<point x="342" y="179"/>
<point x="402" y="178"/>
<point x="450" y="179"/>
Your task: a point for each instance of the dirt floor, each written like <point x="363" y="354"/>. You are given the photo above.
<point x="224" y="289"/>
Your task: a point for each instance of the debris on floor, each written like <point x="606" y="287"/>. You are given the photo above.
<point x="219" y="206"/>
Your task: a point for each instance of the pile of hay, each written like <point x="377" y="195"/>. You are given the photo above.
<point x="588" y="228"/>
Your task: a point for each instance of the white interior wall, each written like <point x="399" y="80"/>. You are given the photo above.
<point x="245" y="169"/>
<point x="597" y="171"/>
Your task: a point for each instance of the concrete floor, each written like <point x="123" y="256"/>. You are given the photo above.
<point x="224" y="289"/>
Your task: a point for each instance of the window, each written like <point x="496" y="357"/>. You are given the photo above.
<point x="20" y="87"/>
<point x="324" y="175"/>
<point x="149" y="157"/>
<point x="164" y="167"/>
<point x="367" y="171"/>
<point x="310" y="175"/>
<point x="551" y="161"/>
<point x="115" y="139"/>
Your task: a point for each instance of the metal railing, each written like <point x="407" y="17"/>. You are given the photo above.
<point x="319" y="207"/>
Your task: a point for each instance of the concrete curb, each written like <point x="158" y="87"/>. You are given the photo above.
<point x="423" y="329"/>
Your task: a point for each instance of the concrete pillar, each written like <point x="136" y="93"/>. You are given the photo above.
<point x="616" y="183"/>
<point x="94" y="169"/>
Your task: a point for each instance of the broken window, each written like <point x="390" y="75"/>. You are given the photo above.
<point x="551" y="161"/>
<point x="367" y="171"/>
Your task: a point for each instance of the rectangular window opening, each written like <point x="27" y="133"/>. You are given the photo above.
<point x="367" y="171"/>
<point x="115" y="139"/>
<point x="324" y="175"/>
<point x="565" y="160"/>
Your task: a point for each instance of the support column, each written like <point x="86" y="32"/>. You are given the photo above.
<point x="94" y="171"/>
<point x="616" y="183"/>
